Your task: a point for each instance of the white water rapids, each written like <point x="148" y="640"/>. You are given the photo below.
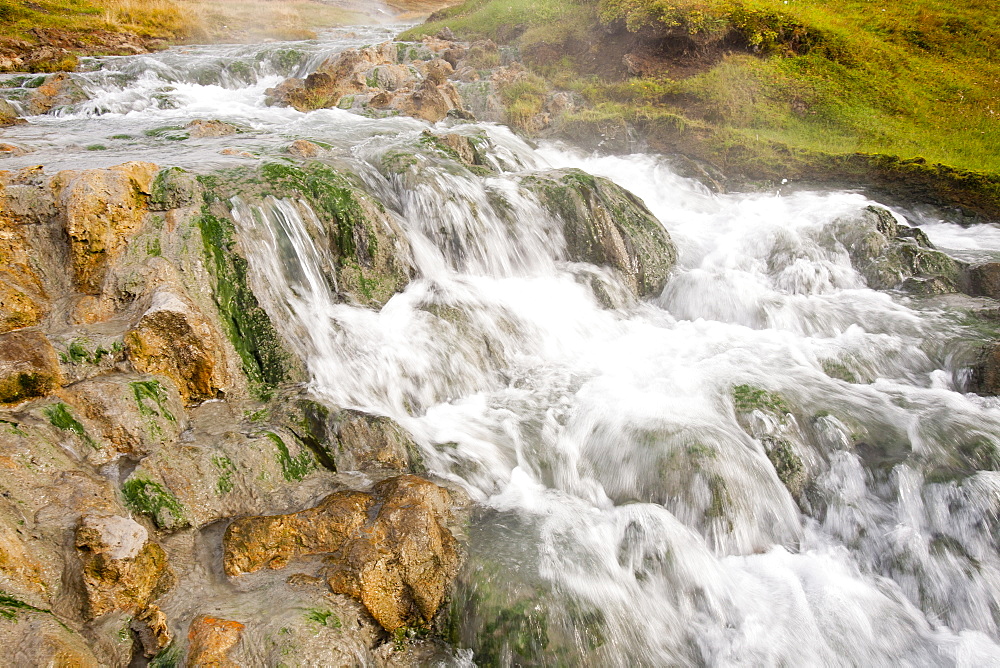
<point x="612" y="472"/>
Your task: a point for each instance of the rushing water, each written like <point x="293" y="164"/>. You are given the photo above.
<point x="620" y="490"/>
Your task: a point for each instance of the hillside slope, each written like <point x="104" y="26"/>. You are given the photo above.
<point x="769" y="89"/>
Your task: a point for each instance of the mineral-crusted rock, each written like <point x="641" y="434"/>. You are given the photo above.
<point x="173" y="339"/>
<point x="172" y="188"/>
<point x="134" y="414"/>
<point x="58" y="90"/>
<point x="209" y="642"/>
<point x="201" y="128"/>
<point x="101" y="209"/>
<point x="151" y="627"/>
<point x="8" y="114"/>
<point x="389" y="548"/>
<point x="23" y="301"/>
<point x="366" y="442"/>
<point x="122" y="568"/>
<point x="301" y="148"/>
<point x="606" y="225"/>
<point x="28" y="367"/>
<point x="36" y="638"/>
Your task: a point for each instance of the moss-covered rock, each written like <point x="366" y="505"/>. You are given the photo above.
<point x="371" y="255"/>
<point x="248" y="327"/>
<point x="890" y="255"/>
<point x="58" y="90"/>
<point x="173" y="187"/>
<point x="606" y="225"/>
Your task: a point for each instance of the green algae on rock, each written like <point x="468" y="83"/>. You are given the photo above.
<point x="606" y="225"/>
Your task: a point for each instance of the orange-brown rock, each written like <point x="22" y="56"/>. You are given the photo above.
<point x="429" y="101"/>
<point x="389" y="548"/>
<point x="209" y="642"/>
<point x="201" y="128"/>
<point x="173" y="339"/>
<point x="23" y="301"/>
<point x="100" y="209"/>
<point x="8" y="114"/>
<point x="151" y="627"/>
<point x="28" y="367"/>
<point x="123" y="569"/>
<point x="57" y="90"/>
<point x="301" y="148"/>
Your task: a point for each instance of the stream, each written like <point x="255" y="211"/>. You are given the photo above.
<point x="626" y="509"/>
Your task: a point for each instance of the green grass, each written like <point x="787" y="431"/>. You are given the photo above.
<point x="915" y="80"/>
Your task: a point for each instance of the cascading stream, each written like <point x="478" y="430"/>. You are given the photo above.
<point x="630" y="505"/>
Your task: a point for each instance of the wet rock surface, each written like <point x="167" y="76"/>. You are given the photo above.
<point x="389" y="548"/>
<point x="606" y="225"/>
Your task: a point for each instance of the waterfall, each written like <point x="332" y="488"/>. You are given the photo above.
<point x="622" y="486"/>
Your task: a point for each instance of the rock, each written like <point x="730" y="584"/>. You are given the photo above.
<point x="134" y="414"/>
<point x="347" y="72"/>
<point x="123" y="570"/>
<point x="985" y="378"/>
<point x="209" y="642"/>
<point x="890" y="255"/>
<point x="151" y="627"/>
<point x="201" y="128"/>
<point x="172" y="188"/>
<point x="389" y="548"/>
<point x="445" y="34"/>
<point x="101" y="209"/>
<point x="300" y="148"/>
<point x="58" y="90"/>
<point x="173" y="339"/>
<point x="8" y="114"/>
<point x="23" y="301"/>
<point x="28" y="367"/>
<point x="38" y="638"/>
<point x="429" y="101"/>
<point x="373" y="442"/>
<point x="12" y="151"/>
<point x="983" y="280"/>
<point x="606" y="225"/>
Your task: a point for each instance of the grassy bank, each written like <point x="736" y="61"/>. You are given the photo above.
<point x="767" y="85"/>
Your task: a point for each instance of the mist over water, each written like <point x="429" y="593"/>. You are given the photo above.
<point x="619" y="471"/>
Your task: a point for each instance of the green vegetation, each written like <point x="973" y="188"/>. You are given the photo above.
<point x="60" y="417"/>
<point x="147" y="497"/>
<point x="225" y="483"/>
<point x="151" y="391"/>
<point x="292" y="468"/>
<point x="78" y="353"/>
<point x="247" y="325"/>
<point x="870" y="90"/>
<point x="324" y="617"/>
<point x="748" y="398"/>
<point x="10" y="607"/>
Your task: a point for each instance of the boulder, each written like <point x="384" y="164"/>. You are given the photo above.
<point x="606" y="225"/>
<point x="983" y="280"/>
<point x="174" y="340"/>
<point x="428" y="101"/>
<point x="345" y="73"/>
<point x="28" y="367"/>
<point x="123" y="570"/>
<point x="985" y="378"/>
<point x="890" y="255"/>
<point x="58" y="90"/>
<point x="209" y="642"/>
<point x="101" y="209"/>
<point x="201" y="128"/>
<point x="300" y="148"/>
<point x="389" y="548"/>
